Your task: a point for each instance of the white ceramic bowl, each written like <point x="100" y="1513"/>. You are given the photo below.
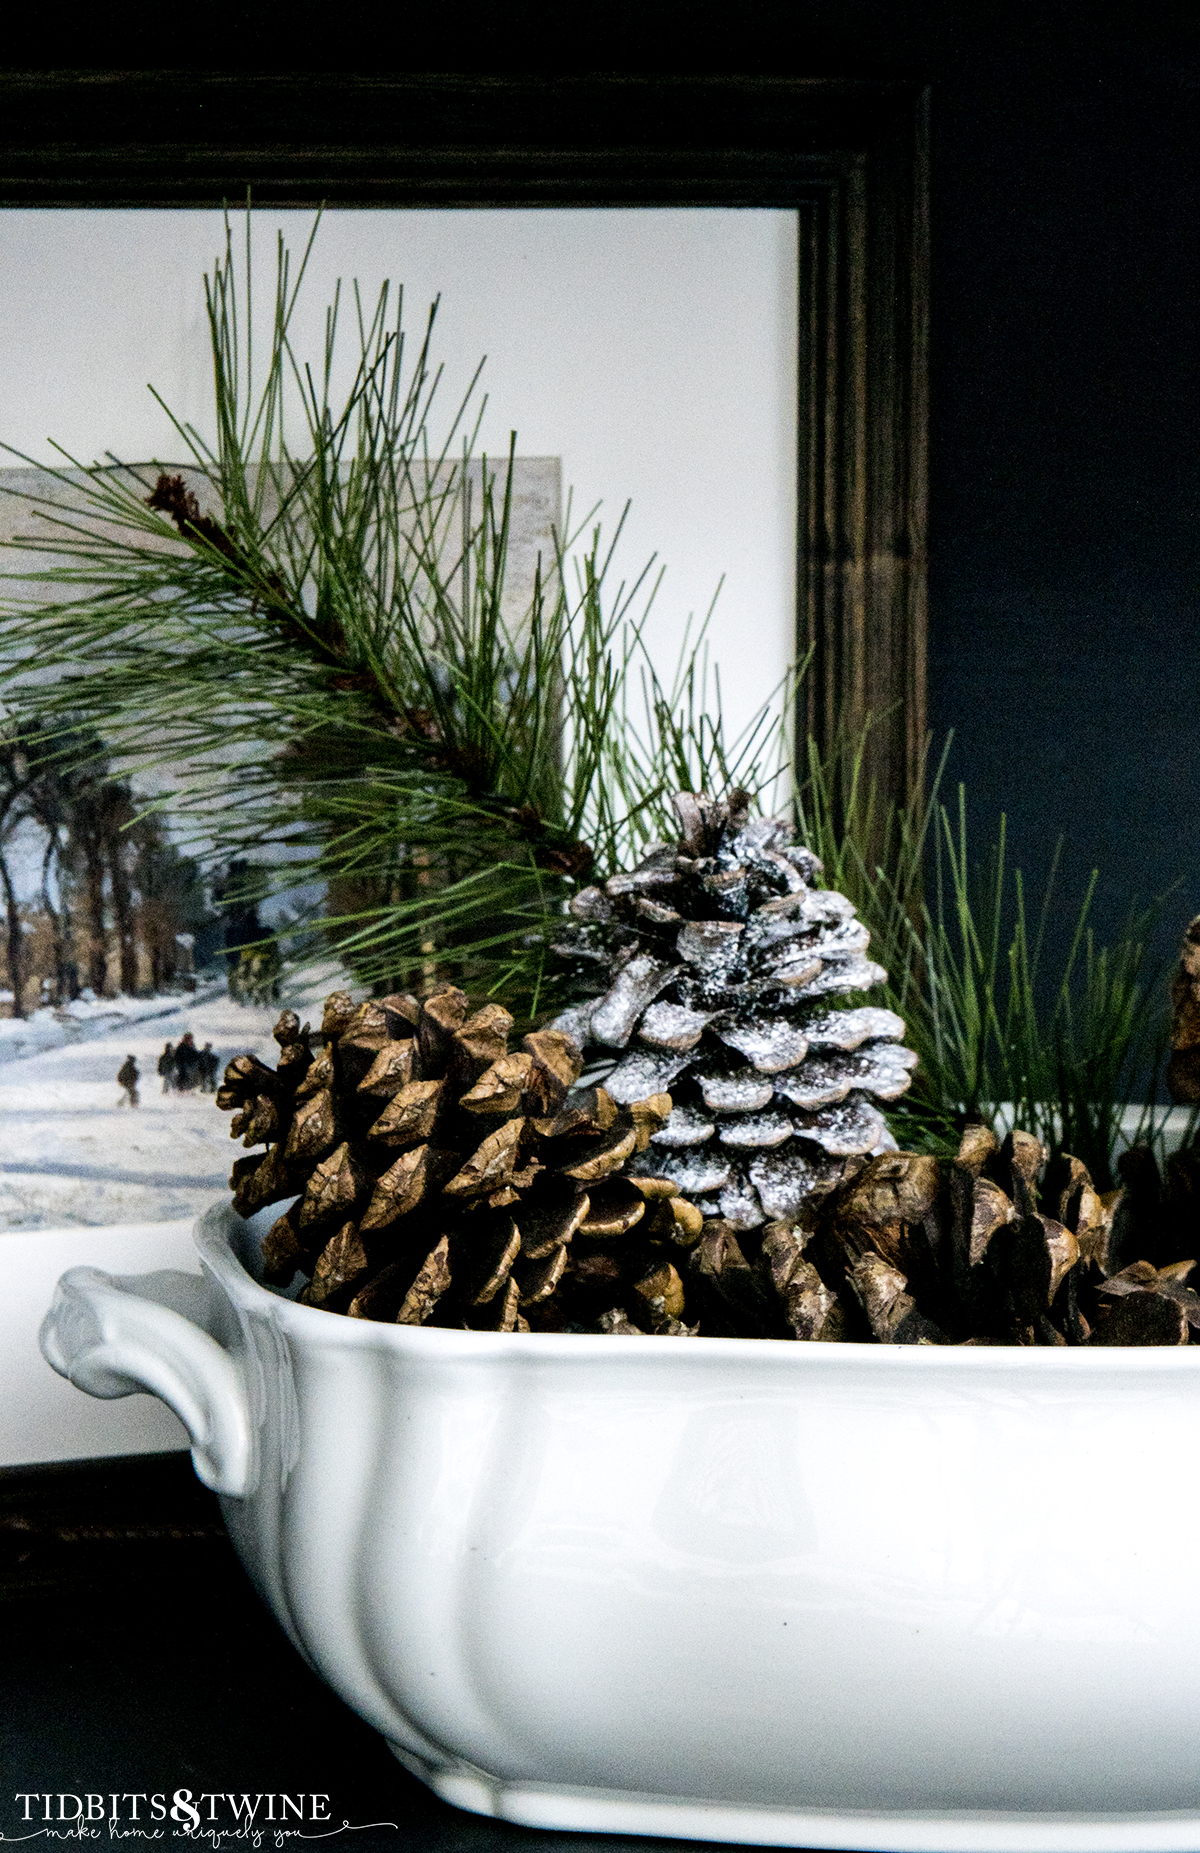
<point x="792" y="1594"/>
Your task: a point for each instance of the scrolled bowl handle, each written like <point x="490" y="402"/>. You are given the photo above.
<point x="112" y="1335"/>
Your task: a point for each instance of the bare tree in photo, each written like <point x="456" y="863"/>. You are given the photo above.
<point x="171" y="899"/>
<point x="89" y="835"/>
<point x="14" y="790"/>
<point x="114" y="899"/>
<point x="118" y="813"/>
<point x="59" y="768"/>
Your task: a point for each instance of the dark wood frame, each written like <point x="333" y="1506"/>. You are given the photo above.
<point x="850" y="156"/>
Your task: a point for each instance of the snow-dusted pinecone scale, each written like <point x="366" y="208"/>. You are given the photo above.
<point x="716" y="960"/>
<point x="440" y="1179"/>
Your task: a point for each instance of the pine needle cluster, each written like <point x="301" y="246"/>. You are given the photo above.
<point x="308" y="631"/>
<point x="1020" y="1014"/>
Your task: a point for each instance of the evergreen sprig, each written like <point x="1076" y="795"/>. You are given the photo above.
<point x="309" y="632"/>
<point x="1065" y="1045"/>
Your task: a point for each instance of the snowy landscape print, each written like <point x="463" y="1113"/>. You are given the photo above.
<point x="115" y="943"/>
<point x="72" y="1148"/>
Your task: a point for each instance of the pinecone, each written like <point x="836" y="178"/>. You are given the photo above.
<point x="715" y="960"/>
<point x="1183" y="1069"/>
<point x="440" y="1179"/>
<point x="994" y="1248"/>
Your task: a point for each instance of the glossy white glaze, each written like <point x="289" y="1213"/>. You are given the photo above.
<point x="819" y="1595"/>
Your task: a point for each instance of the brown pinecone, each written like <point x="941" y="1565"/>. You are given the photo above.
<point x="1183" y="1069"/>
<point x="711" y="967"/>
<point x="440" y="1179"/>
<point x="995" y="1248"/>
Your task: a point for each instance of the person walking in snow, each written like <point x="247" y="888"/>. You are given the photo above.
<point x="128" y="1078"/>
<point x="209" y="1064"/>
<point x="166" y="1067"/>
<point x="187" y="1064"/>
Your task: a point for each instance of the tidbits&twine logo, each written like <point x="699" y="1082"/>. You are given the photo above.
<point x="270" y="1819"/>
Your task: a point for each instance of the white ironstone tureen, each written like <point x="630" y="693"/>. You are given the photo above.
<point x="827" y="1595"/>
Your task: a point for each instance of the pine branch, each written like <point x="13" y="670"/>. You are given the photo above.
<point x="420" y="727"/>
<point x="311" y="632"/>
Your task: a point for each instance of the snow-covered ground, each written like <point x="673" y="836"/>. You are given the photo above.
<point x="86" y="1019"/>
<point x="71" y="1151"/>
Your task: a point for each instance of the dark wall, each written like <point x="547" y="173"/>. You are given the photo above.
<point x="1065" y="453"/>
<point x="1065" y="441"/>
<point x="1065" y="565"/>
<point x="1065" y="456"/>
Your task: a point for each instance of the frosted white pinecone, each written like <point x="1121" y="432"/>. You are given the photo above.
<point x="715" y="966"/>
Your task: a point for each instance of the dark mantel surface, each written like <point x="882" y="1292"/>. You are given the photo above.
<point x="137" y="1658"/>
